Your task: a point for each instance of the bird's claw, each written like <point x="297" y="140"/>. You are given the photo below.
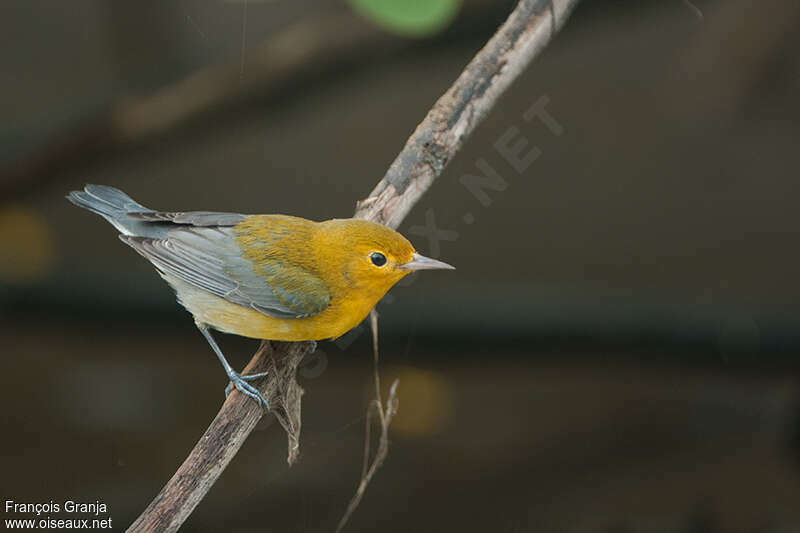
<point x="251" y="377"/>
<point x="242" y="385"/>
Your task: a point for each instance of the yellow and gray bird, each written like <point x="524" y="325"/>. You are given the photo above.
<point x="273" y="277"/>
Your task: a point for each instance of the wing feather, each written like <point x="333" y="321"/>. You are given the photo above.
<point x="210" y="259"/>
<point x="192" y="218"/>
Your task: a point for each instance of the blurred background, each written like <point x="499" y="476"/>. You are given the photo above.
<point x="617" y="351"/>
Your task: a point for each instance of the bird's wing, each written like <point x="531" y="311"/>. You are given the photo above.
<point x="209" y="258"/>
<point x="192" y="218"/>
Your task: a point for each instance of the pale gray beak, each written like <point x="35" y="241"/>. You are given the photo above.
<point x="420" y="262"/>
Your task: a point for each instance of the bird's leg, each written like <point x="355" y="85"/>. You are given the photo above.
<point x="236" y="380"/>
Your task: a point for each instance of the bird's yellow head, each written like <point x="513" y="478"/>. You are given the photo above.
<point x="370" y="257"/>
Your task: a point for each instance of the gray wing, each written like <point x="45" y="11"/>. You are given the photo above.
<point x="192" y="218"/>
<point x="210" y="258"/>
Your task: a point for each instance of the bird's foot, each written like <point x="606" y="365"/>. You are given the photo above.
<point x="241" y="383"/>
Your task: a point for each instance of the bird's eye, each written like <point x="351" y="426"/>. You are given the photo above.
<point x="377" y="258"/>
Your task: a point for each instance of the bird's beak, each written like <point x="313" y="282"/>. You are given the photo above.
<point x="420" y="262"/>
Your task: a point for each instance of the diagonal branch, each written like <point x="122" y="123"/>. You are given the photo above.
<point x="433" y="144"/>
<point x="226" y="434"/>
<point x="458" y="112"/>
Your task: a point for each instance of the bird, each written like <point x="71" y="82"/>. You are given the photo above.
<point x="269" y="277"/>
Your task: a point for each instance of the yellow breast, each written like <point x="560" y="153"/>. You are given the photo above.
<point x="338" y="318"/>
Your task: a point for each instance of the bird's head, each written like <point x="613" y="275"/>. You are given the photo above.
<point x="372" y="257"/>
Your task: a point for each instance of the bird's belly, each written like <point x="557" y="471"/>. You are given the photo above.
<point x="211" y="310"/>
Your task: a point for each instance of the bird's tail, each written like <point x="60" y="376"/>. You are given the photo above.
<point x="111" y="204"/>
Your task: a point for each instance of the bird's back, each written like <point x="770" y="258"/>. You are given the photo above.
<point x="255" y="262"/>
<point x="133" y="219"/>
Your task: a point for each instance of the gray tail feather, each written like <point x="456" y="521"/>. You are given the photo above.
<point x="105" y="200"/>
<point x="110" y="203"/>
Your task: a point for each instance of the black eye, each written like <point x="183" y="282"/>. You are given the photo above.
<point x="378" y="259"/>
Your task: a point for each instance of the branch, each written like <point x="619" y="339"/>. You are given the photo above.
<point x="385" y="416"/>
<point x="432" y="145"/>
<point x="226" y="434"/>
<point x="455" y="116"/>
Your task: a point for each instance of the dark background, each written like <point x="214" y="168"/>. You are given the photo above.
<point x="617" y="351"/>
